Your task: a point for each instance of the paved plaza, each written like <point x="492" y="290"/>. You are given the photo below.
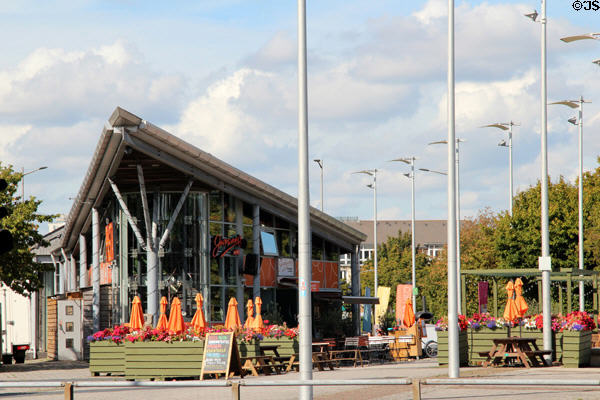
<point x="426" y="368"/>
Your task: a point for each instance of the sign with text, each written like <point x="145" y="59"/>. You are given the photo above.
<point x="217" y="358"/>
<point x="286" y="267"/>
<point x="315" y="286"/>
<point x="221" y="246"/>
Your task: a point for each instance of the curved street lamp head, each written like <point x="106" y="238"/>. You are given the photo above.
<point x="319" y="161"/>
<point x="533" y="16"/>
<point x="597" y="62"/>
<point x="366" y="171"/>
<point x="35" y="170"/>
<point x="499" y="125"/>
<point x="458" y="140"/>
<point x="593" y="36"/>
<point x="406" y="160"/>
<point x="431" y="170"/>
<point x="568" y="103"/>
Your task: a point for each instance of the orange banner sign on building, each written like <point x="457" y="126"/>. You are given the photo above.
<point x="402" y="293"/>
<point x="109" y="253"/>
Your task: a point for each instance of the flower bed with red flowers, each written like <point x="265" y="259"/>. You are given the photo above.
<point x="574" y="321"/>
<point x="122" y="333"/>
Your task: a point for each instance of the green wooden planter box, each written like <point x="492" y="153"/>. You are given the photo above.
<point x="576" y="348"/>
<point x="443" y="348"/>
<point x="107" y="357"/>
<point x="160" y="360"/>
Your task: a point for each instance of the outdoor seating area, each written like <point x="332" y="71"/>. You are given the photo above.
<point x="176" y="349"/>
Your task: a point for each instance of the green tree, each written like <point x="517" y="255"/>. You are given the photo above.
<point x="394" y="266"/>
<point x="17" y="267"/>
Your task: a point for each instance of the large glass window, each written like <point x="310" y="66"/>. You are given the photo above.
<point x="181" y="259"/>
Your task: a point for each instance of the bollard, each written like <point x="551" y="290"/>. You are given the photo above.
<point x="416" y="386"/>
<point x="235" y="390"/>
<point x="68" y="390"/>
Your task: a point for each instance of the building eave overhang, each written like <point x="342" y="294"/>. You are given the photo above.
<point x="126" y="129"/>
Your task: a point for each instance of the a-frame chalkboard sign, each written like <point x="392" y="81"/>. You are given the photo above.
<point x="221" y="355"/>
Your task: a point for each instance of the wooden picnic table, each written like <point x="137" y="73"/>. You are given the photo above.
<point x="507" y="350"/>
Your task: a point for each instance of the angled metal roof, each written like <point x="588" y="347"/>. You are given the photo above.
<point x="125" y="129"/>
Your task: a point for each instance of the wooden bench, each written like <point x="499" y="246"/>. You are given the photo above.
<point x="351" y="352"/>
<point x="320" y="360"/>
<point x="266" y="365"/>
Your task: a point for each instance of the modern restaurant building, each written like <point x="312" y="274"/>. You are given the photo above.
<point x="156" y="216"/>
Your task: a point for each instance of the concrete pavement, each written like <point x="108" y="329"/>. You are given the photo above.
<point x="426" y="368"/>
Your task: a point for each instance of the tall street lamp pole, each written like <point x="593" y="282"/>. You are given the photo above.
<point x="304" y="237"/>
<point x="373" y="173"/>
<point x="545" y="262"/>
<point x="507" y="126"/>
<point x="573" y="104"/>
<point x="411" y="161"/>
<point x="453" y="349"/>
<point x="23" y="173"/>
<point x="320" y="162"/>
<point x="457" y="194"/>
<point x="579" y="121"/>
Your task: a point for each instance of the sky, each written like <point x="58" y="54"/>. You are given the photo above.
<point x="222" y="75"/>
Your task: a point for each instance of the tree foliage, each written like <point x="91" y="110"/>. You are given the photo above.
<point x="18" y="270"/>
<point x="501" y="241"/>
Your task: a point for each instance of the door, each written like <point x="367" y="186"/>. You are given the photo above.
<point x="69" y="329"/>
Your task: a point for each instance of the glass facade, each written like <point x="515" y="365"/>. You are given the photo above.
<point x="186" y="265"/>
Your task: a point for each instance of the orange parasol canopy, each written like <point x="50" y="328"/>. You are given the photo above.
<point x="199" y="322"/>
<point x="510" y="311"/>
<point x="232" y="320"/>
<point x="250" y="311"/>
<point x="258" y="321"/>
<point x="162" y="320"/>
<point x="175" y="323"/>
<point x="520" y="302"/>
<point x="409" y="314"/>
<point x="137" y="315"/>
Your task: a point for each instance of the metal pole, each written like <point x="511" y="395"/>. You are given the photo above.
<point x="510" y="171"/>
<point x="322" y="204"/>
<point x="453" y="350"/>
<point x="304" y="237"/>
<point x="546" y="304"/>
<point x="82" y="262"/>
<point x="96" y="269"/>
<point x="22" y="184"/>
<point x="375" y="228"/>
<point x="458" y="285"/>
<point x="580" y="194"/>
<point x="412" y="227"/>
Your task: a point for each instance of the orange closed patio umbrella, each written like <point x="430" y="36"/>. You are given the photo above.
<point x="510" y="311"/>
<point x="175" y="323"/>
<point x="250" y="311"/>
<point x="162" y="320"/>
<point x="232" y="320"/>
<point x="198" y="322"/>
<point x="258" y="321"/>
<point x="520" y="302"/>
<point x="136" y="322"/>
<point x="409" y="314"/>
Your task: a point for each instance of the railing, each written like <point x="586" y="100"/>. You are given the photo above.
<point x="237" y="384"/>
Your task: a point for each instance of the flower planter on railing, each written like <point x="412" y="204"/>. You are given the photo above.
<point x="107" y="357"/>
<point x="442" y="356"/>
<point x="160" y="360"/>
<point x="576" y="348"/>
